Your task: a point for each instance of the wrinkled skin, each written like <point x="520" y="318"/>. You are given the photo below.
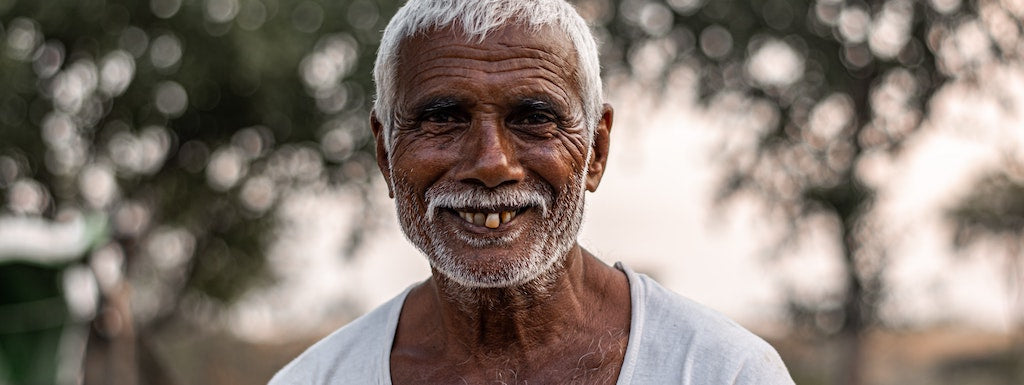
<point x="488" y="127"/>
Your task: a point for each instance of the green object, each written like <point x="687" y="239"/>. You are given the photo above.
<point x="32" y="317"/>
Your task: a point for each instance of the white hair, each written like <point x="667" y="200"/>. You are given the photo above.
<point x="483" y="198"/>
<point x="476" y="18"/>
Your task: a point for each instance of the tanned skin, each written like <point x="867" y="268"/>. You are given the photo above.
<point x="571" y="327"/>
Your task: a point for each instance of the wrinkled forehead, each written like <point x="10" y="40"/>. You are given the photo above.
<point x="544" y="47"/>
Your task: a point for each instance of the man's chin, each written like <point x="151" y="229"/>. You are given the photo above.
<point x="487" y="270"/>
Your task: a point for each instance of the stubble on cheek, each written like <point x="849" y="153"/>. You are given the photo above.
<point x="411" y="215"/>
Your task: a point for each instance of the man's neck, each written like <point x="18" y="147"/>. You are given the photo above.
<point x="580" y="295"/>
<point x="519" y="317"/>
<point x="574" y="323"/>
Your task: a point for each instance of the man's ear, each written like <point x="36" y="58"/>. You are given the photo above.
<point x="599" y="151"/>
<point x="382" y="151"/>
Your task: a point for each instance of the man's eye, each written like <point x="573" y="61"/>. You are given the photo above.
<point x="441" y="117"/>
<point x="535" y="119"/>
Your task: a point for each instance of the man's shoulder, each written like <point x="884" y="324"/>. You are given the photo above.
<point x="357" y="351"/>
<point x="671" y="313"/>
<point x="701" y="343"/>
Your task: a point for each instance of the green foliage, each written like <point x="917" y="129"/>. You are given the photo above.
<point x="203" y="114"/>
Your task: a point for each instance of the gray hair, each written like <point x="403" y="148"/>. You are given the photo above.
<point x="477" y="18"/>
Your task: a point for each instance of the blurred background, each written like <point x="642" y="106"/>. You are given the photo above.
<point x="188" y="191"/>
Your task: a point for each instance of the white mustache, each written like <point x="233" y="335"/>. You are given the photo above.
<point x="451" y="197"/>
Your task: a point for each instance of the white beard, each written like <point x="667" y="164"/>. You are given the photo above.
<point x="546" y="244"/>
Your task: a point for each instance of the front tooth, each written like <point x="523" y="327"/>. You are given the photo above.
<point x="479" y="219"/>
<point x="492" y="221"/>
<point x="506" y="216"/>
<point x="511" y="214"/>
<point x="467" y="216"/>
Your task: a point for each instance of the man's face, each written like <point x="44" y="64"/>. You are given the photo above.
<point x="489" y="161"/>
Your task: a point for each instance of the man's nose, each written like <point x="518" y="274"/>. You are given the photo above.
<point x="490" y="159"/>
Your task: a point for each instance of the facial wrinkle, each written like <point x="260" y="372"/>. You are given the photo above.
<point x="541" y="53"/>
<point x="427" y="73"/>
<point x="576" y="143"/>
<point x="508" y="50"/>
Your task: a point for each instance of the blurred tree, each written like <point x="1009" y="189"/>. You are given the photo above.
<point x="185" y="122"/>
<point x="994" y="211"/>
<point x="815" y="94"/>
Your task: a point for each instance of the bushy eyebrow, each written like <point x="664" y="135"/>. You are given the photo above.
<point x="435" y="104"/>
<point x="530" y="103"/>
<point x="534" y="103"/>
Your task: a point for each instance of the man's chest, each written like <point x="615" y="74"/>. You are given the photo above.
<point x="598" y="363"/>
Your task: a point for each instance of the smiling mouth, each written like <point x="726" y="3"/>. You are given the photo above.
<point x="490" y="218"/>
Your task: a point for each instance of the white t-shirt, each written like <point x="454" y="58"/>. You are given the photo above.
<point x="672" y="340"/>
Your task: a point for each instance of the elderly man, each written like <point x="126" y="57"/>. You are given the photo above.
<point x="490" y="125"/>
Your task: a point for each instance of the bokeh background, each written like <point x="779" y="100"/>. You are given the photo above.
<point x="188" y="192"/>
